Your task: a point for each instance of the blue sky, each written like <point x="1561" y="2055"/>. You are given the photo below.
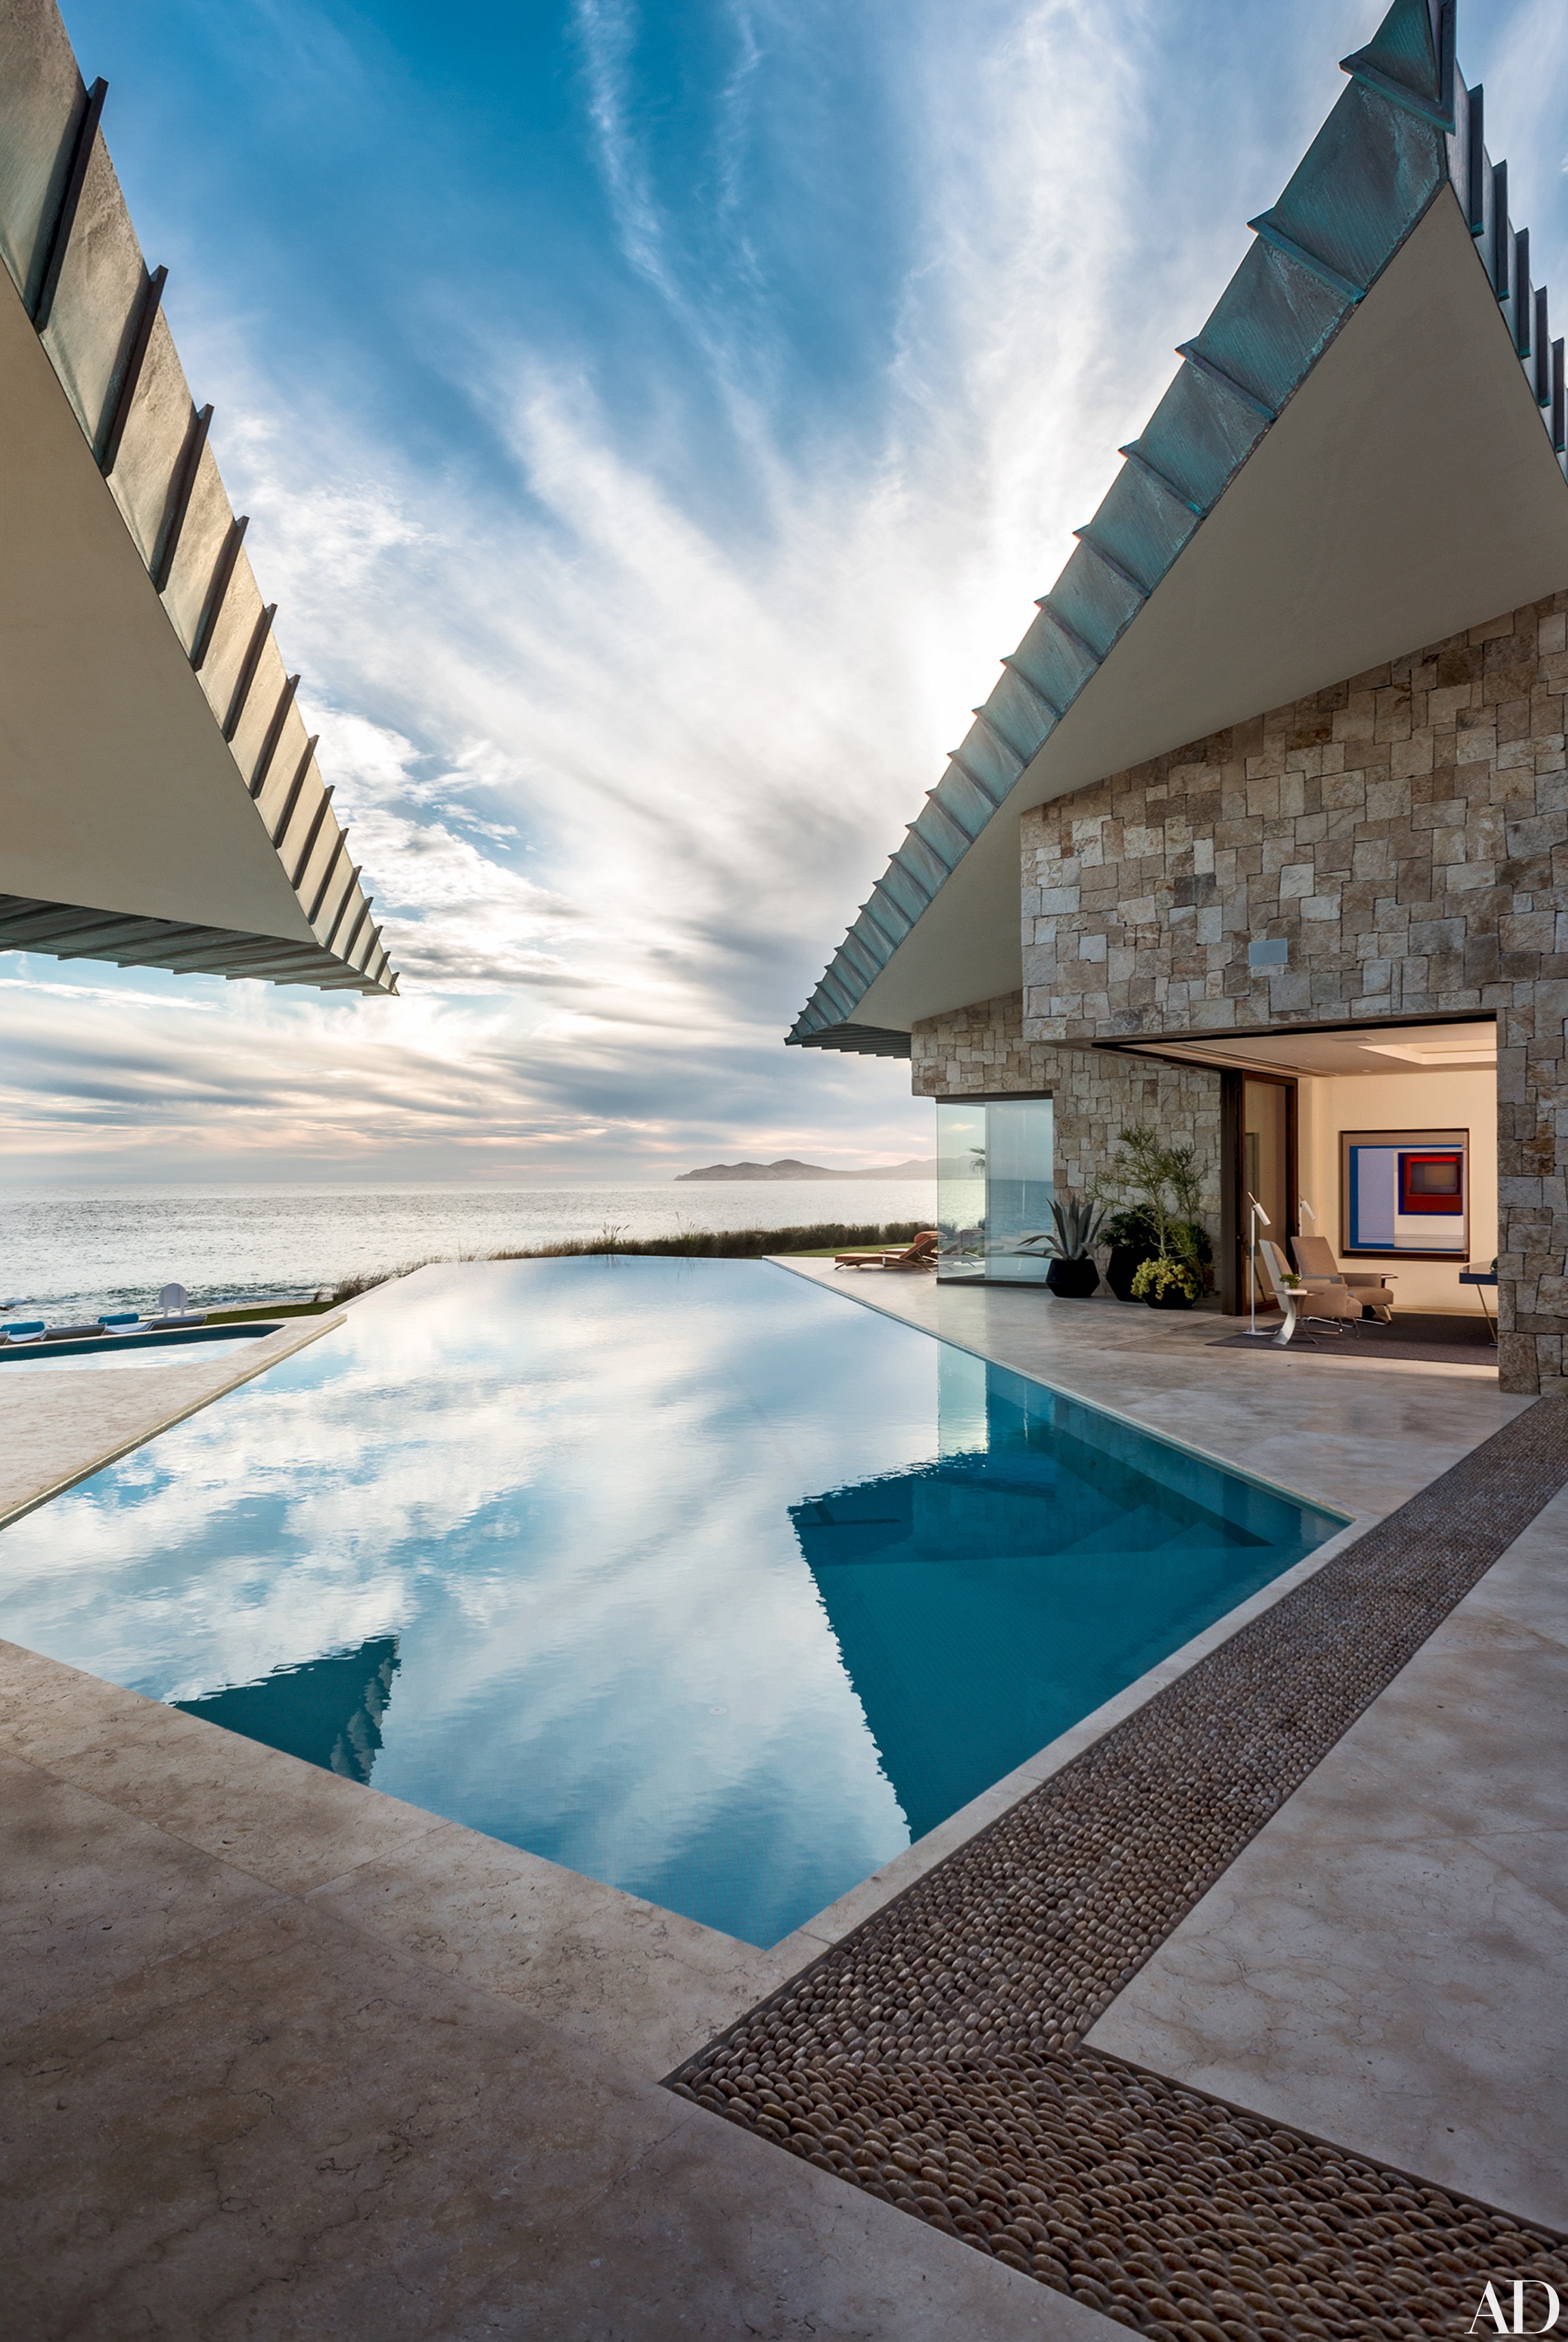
<point x="655" y="421"/>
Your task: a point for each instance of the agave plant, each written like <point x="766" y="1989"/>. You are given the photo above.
<point x="1079" y="1221"/>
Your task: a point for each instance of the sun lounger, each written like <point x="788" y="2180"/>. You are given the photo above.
<point x="921" y="1254"/>
<point x="30" y="1329"/>
<point x="122" y="1321"/>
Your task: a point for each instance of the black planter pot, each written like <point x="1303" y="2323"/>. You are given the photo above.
<point x="1172" y="1300"/>
<point x="1071" y="1280"/>
<point x="1124" y="1266"/>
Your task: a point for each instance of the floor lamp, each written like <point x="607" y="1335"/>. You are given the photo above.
<point x="1257" y="1214"/>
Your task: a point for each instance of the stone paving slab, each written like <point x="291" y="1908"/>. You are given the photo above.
<point x="1390" y="1969"/>
<point x="1360" y="1440"/>
<point x="933" y="2056"/>
<point x="61" y="1425"/>
<point x="292" y="2128"/>
<point x="684" y="2239"/>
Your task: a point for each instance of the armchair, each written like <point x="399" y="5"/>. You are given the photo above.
<point x="1315" y="1260"/>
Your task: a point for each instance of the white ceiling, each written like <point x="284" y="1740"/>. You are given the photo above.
<point x="119" y="792"/>
<point x="1383" y="1050"/>
<point x="1407" y="491"/>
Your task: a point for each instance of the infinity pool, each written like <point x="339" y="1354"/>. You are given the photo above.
<point x="687" y="1574"/>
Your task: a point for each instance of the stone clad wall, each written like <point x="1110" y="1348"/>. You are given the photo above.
<point x="1406" y="833"/>
<point x="983" y="1051"/>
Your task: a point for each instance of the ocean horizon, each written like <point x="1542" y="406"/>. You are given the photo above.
<point x="67" y="1247"/>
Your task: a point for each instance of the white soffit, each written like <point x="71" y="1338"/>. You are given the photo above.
<point x="161" y="804"/>
<point x="1383" y="1050"/>
<point x="120" y="791"/>
<point x="1407" y="492"/>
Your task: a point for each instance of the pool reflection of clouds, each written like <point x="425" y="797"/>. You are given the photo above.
<point x="548" y="1512"/>
<point x="567" y="1489"/>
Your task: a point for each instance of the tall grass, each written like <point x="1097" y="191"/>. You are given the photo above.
<point x="703" y="1244"/>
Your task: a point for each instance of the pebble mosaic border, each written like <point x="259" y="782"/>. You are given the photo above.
<point x="933" y="2057"/>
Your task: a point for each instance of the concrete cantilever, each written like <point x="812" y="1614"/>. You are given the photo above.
<point x="161" y="802"/>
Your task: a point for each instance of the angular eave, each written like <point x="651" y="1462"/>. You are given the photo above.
<point x="161" y="802"/>
<point x="1363" y="453"/>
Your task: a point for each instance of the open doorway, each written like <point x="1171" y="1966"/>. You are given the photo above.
<point x="1378" y="1141"/>
<point x="1264" y="1116"/>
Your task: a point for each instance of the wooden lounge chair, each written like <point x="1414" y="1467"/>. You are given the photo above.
<point x="921" y="1254"/>
<point x="1315" y="1260"/>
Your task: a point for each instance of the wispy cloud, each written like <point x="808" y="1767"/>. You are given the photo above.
<point x="636" y="628"/>
<point x="606" y="30"/>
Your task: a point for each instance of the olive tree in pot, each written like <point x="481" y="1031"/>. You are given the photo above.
<point x="1070" y="1243"/>
<point x="1161" y="1251"/>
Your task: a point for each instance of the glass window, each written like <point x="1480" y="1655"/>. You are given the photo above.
<point x="993" y="1187"/>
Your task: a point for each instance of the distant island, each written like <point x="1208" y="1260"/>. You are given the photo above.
<point x="788" y="1168"/>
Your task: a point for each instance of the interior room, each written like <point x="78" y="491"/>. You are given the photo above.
<point x="1381" y="1139"/>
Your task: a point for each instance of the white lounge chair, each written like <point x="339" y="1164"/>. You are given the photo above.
<point x="1322" y="1298"/>
<point x="175" y="1309"/>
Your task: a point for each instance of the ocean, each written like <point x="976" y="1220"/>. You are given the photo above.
<point x="69" y="1251"/>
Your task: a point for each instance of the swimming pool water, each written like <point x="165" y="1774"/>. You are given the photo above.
<point x="687" y="1574"/>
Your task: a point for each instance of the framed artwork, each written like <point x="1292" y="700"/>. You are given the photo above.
<point x="1405" y="1193"/>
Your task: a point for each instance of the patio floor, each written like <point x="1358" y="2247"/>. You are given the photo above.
<point x="285" y="2057"/>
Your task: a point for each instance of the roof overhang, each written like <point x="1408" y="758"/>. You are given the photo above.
<point x="1460" y="1042"/>
<point x="160" y="797"/>
<point x="1355" y="461"/>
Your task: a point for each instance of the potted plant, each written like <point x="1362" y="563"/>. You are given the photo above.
<point x="1072" y="1274"/>
<point x="1166" y="1282"/>
<point x="1173" y="1266"/>
<point x="1134" y="1238"/>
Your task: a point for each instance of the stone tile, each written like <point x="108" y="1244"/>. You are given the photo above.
<point x="295" y="2131"/>
<point x="91" y="1898"/>
<point x="1403" y="2000"/>
<point x="1360" y="1440"/>
<point x="838" y="1918"/>
<point x="1446" y="1756"/>
<point x="1385" y="1964"/>
<point x="1403" y="923"/>
<point x="718" y="2235"/>
<point x="642" y="1984"/>
<point x="61" y="1427"/>
<point x="289" y="1823"/>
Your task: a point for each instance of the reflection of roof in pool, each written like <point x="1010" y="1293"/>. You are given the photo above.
<point x="1024" y="1601"/>
<point x="1030" y="1592"/>
<point x="326" y="1710"/>
<point x="1010" y="1498"/>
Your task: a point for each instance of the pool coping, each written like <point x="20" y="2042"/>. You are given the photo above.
<point x="605" y="1943"/>
<point x="263" y="1356"/>
<point x="1081" y="1399"/>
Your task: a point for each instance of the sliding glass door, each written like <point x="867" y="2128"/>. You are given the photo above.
<point x="994" y="1175"/>
<point x="1267" y="1176"/>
